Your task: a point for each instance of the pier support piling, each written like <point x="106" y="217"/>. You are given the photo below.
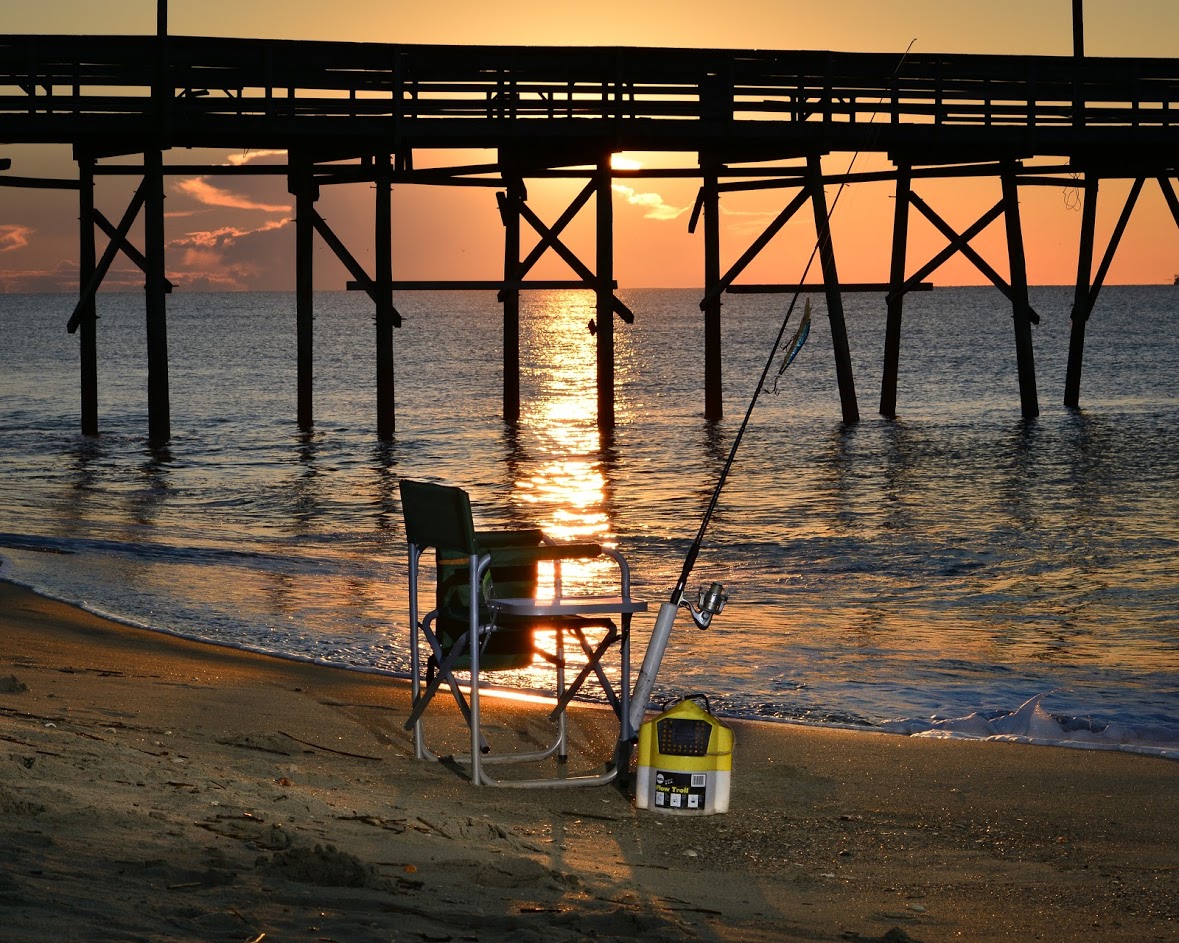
<point x="306" y="192"/>
<point x="605" y="293"/>
<point x="509" y="208"/>
<point x="88" y="341"/>
<point x="896" y="293"/>
<point x="383" y="287"/>
<point x="1082" y="301"/>
<point x="159" y="423"/>
<point x="1021" y="309"/>
<point x="843" y="366"/>
<point x="713" y="379"/>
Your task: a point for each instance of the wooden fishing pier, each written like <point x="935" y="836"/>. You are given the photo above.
<point x="360" y="113"/>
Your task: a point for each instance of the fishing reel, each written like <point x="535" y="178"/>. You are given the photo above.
<point x="710" y="601"/>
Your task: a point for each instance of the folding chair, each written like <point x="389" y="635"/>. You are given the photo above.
<point x="486" y="618"/>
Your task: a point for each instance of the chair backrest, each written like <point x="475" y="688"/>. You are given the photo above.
<point x="438" y="516"/>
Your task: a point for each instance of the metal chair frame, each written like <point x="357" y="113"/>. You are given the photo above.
<point x="439" y="517"/>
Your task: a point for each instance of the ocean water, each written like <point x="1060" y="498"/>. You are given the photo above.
<point x="928" y="574"/>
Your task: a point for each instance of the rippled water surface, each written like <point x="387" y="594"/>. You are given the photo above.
<point x="956" y="559"/>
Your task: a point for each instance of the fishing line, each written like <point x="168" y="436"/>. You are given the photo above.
<point x="712" y="599"/>
<point x="796" y="345"/>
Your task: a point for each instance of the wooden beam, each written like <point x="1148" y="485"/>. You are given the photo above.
<point x="818" y="288"/>
<point x="482" y="284"/>
<point x="549" y="240"/>
<point x="549" y="236"/>
<point x="38" y="183"/>
<point x="1169" y="196"/>
<point x="1115" y="240"/>
<point x="755" y="248"/>
<point x="961" y="243"/>
<point x="125" y="244"/>
<point x="362" y="280"/>
<point x="87" y="292"/>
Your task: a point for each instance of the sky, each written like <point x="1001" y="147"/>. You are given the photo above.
<point x="235" y="233"/>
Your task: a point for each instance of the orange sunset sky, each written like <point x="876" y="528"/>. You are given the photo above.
<point x="235" y="233"/>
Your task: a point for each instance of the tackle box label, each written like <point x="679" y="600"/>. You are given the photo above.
<point x="680" y="790"/>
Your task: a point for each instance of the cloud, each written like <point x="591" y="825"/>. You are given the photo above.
<point x="229" y="258"/>
<point x="207" y="194"/>
<point x="63" y="277"/>
<point x="652" y="203"/>
<point x="754" y="221"/>
<point x="14" y="236"/>
<point x="245" y="157"/>
<point x="223" y="238"/>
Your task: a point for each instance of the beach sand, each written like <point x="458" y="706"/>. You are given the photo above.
<point x="156" y="789"/>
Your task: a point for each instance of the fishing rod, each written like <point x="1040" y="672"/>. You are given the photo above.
<point x="710" y="600"/>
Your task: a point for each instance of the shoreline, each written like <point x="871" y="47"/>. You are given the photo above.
<point x="1038" y="728"/>
<point x="158" y="788"/>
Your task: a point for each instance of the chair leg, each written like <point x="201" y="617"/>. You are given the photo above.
<point x="439" y="669"/>
<point x="593" y="665"/>
<point x="562" y="726"/>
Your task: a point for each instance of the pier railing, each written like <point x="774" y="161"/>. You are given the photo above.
<point x="197" y="90"/>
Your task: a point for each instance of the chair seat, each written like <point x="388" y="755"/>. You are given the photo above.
<point x="513" y="645"/>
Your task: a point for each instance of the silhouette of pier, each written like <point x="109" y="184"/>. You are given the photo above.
<point x="360" y="112"/>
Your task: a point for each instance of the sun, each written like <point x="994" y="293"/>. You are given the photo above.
<point x="620" y="162"/>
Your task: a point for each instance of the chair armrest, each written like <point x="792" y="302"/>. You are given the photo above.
<point x="566" y="551"/>
<point x="586" y="551"/>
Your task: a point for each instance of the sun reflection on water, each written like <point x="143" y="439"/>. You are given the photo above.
<point x="563" y="485"/>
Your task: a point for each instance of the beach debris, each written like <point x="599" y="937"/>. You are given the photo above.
<point x="12" y="685"/>
<point x="318" y="746"/>
<point x="324" y="866"/>
<point x="393" y="825"/>
<point x="249" y="828"/>
<point x="23" y="743"/>
<point x="265" y="742"/>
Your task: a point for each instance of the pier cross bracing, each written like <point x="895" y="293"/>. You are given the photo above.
<point x="348" y="113"/>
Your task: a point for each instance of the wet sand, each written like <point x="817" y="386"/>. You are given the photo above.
<point x="156" y="789"/>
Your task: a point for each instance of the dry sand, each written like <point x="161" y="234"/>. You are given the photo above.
<point x="153" y="789"/>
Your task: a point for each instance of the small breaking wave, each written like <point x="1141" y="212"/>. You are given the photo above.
<point x="1032" y="723"/>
